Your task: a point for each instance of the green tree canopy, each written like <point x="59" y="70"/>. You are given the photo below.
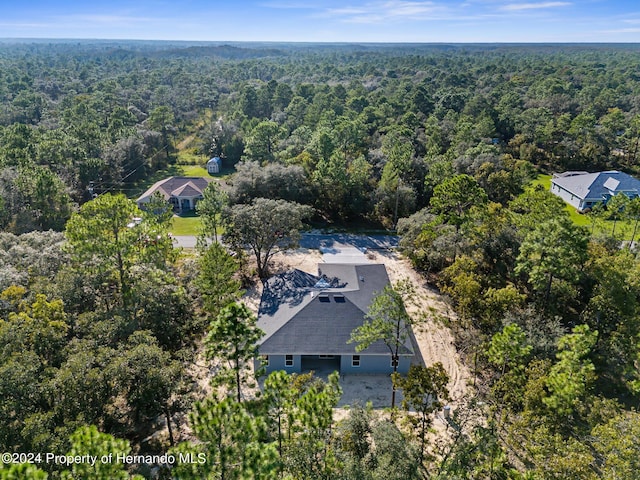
<point x="509" y="348"/>
<point x="554" y="249"/>
<point x="232" y="339"/>
<point x="453" y="198"/>
<point x="103" y="238"/>
<point x="265" y="227"/>
<point x="424" y="390"/>
<point x="210" y="209"/>
<point x="571" y="377"/>
<point x="89" y="441"/>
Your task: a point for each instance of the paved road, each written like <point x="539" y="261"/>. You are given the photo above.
<point x="361" y="242"/>
<point x="184" y="241"/>
<point x="322" y="240"/>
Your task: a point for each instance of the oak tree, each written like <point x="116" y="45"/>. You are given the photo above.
<point x="265" y="227"/>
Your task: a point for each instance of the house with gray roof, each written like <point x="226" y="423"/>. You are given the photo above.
<point x="181" y="192"/>
<point x="308" y="320"/>
<point x="583" y="190"/>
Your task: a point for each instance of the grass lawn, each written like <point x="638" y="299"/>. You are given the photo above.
<point x="138" y="188"/>
<point x="623" y="229"/>
<point x="186" y="225"/>
<point x="193" y="171"/>
<point x="544" y="180"/>
<point x="190" y="164"/>
<point x="188" y="156"/>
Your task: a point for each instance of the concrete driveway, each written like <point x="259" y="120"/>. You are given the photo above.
<point x="340" y="253"/>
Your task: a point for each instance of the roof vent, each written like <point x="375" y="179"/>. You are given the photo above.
<point x="361" y="278"/>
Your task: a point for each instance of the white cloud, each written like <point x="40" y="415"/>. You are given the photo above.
<point x="516" y="7"/>
<point x="623" y="30"/>
<point x="288" y="5"/>
<point x="409" y="9"/>
<point x="74" y="25"/>
<point x="392" y="10"/>
<point x="97" y="19"/>
<point x="22" y="25"/>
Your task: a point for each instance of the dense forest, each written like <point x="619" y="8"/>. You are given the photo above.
<point x="106" y="329"/>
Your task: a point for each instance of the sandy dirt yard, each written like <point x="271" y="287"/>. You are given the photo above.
<point x="434" y="342"/>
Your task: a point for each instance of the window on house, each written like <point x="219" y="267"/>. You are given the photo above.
<point x="325" y="357"/>
<point x="355" y="361"/>
<point x="288" y="361"/>
<point x="265" y="360"/>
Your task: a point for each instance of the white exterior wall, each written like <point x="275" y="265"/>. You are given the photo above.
<point x="213" y="167"/>
<point x="567" y="196"/>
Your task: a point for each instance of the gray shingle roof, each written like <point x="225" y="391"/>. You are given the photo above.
<point x="306" y="314"/>
<point x="597" y="185"/>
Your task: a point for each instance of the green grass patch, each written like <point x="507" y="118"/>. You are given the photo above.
<point x="185" y="225"/>
<point x="578" y="218"/>
<point x="189" y="157"/>
<point x="193" y="171"/>
<point x="544" y="180"/>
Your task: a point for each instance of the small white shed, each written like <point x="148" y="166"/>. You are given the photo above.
<point x="213" y="165"/>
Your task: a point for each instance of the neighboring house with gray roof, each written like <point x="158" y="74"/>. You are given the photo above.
<point x="181" y="192"/>
<point x="308" y="320"/>
<point x="583" y="190"/>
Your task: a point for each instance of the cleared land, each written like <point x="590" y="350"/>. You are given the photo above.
<point x="434" y="341"/>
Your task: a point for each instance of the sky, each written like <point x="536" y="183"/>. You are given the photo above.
<point x="405" y="21"/>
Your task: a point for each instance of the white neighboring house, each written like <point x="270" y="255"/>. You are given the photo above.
<point x="583" y="190"/>
<point x="181" y="192"/>
<point x="214" y="165"/>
